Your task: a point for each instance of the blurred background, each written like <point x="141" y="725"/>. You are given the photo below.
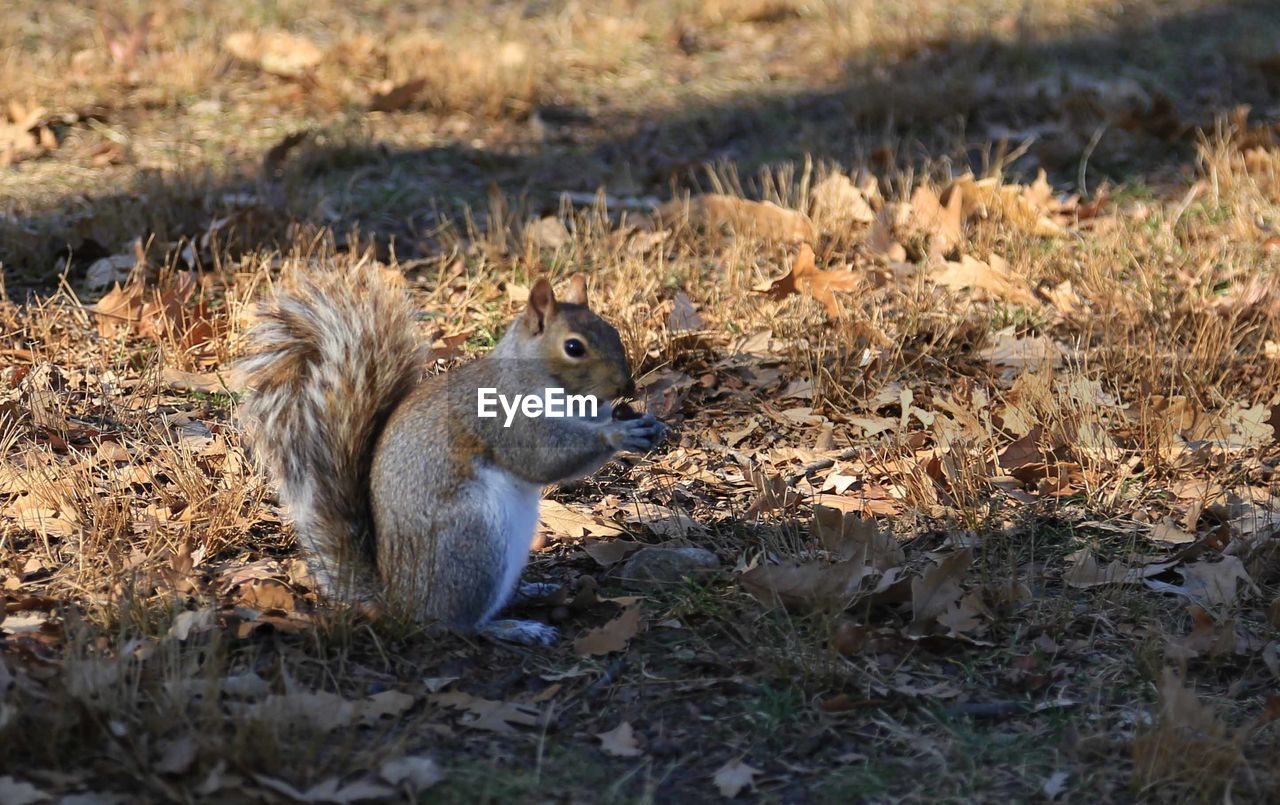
<point x="175" y="121"/>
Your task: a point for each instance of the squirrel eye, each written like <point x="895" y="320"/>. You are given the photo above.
<point x="575" y="348"/>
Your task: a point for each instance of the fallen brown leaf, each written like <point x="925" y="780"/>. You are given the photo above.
<point x="389" y="97"/>
<point x="837" y="202"/>
<point x="563" y="521"/>
<point x="939" y="587"/>
<point x="613" y="636"/>
<point x="943" y="224"/>
<point x="764" y="219"/>
<point x="992" y="277"/>
<point x="609" y="552"/>
<point x="847" y="535"/>
<point x="489" y="715"/>
<point x="1086" y="572"/>
<point x="278" y="53"/>
<point x="808" y="586"/>
<point x="734" y="776"/>
<point x="805" y="277"/>
<point x="620" y="741"/>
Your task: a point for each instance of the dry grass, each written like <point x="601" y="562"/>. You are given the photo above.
<point x="1118" y="384"/>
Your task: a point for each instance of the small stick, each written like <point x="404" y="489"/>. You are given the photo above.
<point x="822" y="464"/>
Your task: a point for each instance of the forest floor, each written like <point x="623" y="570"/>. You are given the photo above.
<point x="965" y="317"/>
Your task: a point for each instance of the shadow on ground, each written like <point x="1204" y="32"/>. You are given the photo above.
<point x="1126" y="105"/>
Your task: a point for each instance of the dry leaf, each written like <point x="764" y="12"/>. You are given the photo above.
<point x="120" y="310"/>
<point x="1179" y="705"/>
<point x="27" y="135"/>
<point x="385" y="703"/>
<point x="318" y="710"/>
<point x="762" y="218"/>
<point x="191" y="621"/>
<point x="486" y="714"/>
<point x="389" y="97"/>
<point x="266" y="595"/>
<point x="805" y="277"/>
<point x="1086" y="572"/>
<point x="1216" y="584"/>
<point x="837" y="201"/>
<point x="1027" y="209"/>
<point x="416" y="771"/>
<point x="684" y="318"/>
<point x="847" y="535"/>
<point x="517" y="292"/>
<point x="1055" y="784"/>
<point x="993" y="277"/>
<point x="107" y="271"/>
<point x="178" y="380"/>
<point x="1207" y="637"/>
<point x="620" y="741"/>
<point x="664" y="522"/>
<point x="279" y="53"/>
<point x="1065" y="299"/>
<point x="1167" y="531"/>
<point x="609" y="552"/>
<point x="734" y="776"/>
<point x="807" y="586"/>
<point x="1185" y="728"/>
<point x="883" y="237"/>
<point x="611" y="637"/>
<point x="563" y="521"/>
<point x="942" y="224"/>
<point x="548" y="232"/>
<point x="963" y="616"/>
<point x="1024" y="353"/>
<point x="939" y="587"/>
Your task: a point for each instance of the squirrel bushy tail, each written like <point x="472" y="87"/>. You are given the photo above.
<point x="328" y="362"/>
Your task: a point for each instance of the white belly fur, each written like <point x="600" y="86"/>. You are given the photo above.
<point x="513" y="507"/>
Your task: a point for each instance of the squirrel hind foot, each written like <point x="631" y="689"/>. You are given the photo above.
<point x="524" y="633"/>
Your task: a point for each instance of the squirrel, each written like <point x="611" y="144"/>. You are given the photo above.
<point x="404" y="491"/>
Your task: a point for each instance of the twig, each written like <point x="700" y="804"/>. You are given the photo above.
<point x="1082" y="186"/>
<point x="822" y="464"/>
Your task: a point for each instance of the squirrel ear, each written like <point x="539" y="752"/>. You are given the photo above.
<point x="577" y="293"/>
<point x="542" y="306"/>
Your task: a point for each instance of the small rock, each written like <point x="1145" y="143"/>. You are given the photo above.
<point x="656" y="566"/>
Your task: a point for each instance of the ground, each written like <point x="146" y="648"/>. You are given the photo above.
<point x="964" y="316"/>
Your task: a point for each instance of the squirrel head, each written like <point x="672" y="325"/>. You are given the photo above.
<point x="581" y="350"/>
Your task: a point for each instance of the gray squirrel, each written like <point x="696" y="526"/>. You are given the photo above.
<point x="400" y="492"/>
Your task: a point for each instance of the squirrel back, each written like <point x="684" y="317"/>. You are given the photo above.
<point x="330" y="360"/>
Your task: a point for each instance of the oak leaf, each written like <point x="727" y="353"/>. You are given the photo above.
<point x="734" y="776"/>
<point x="761" y="218"/>
<point x="620" y="741"/>
<point x="613" y="636"/>
<point x="806" y="277"/>
<point x="992" y="277"/>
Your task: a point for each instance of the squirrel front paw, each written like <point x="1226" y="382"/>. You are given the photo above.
<point x="638" y="435"/>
